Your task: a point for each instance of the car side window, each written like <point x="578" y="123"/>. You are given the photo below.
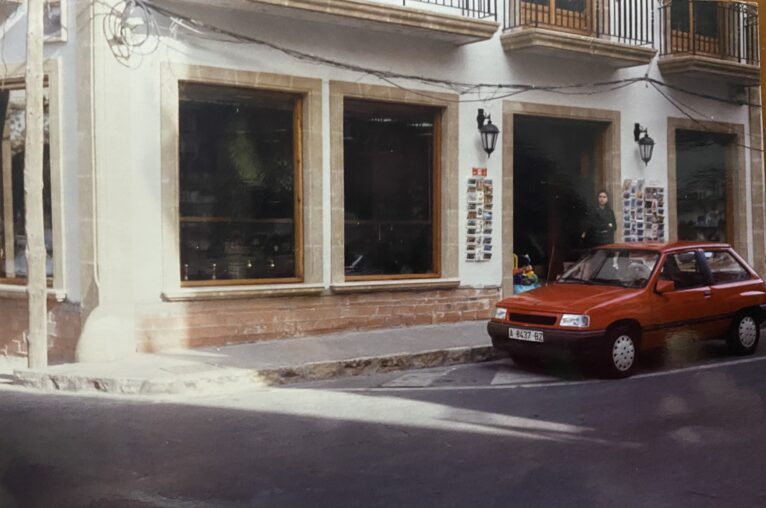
<point x="684" y="270"/>
<point x="724" y="267"/>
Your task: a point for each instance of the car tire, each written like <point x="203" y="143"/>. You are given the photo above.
<point x="620" y="352"/>
<point x="744" y="334"/>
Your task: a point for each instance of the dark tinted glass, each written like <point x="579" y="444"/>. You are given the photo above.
<point x="237" y="184"/>
<point x="701" y="185"/>
<point x="706" y="19"/>
<point x="388" y="188"/>
<point x="679" y="15"/>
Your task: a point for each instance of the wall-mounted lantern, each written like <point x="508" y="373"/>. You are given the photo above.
<point x="488" y="131"/>
<point x="645" y="143"/>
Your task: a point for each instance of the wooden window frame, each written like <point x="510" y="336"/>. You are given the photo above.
<point x="435" y="211"/>
<point x="736" y="181"/>
<point x="297" y="205"/>
<point x="447" y="193"/>
<point x="308" y="194"/>
<point x="558" y="20"/>
<point x="14" y="80"/>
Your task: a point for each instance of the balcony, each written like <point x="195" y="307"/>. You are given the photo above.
<point x="453" y="21"/>
<point x="619" y="33"/>
<point x="710" y="39"/>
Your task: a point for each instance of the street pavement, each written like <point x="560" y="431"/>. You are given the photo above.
<point x="685" y="431"/>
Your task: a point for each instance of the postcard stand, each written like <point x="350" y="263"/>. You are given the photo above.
<point x="479" y="219"/>
<point x="643" y="211"/>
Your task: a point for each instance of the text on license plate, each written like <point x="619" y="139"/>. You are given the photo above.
<point x="530" y="335"/>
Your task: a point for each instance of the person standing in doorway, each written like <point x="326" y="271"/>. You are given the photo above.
<point x="601" y="223"/>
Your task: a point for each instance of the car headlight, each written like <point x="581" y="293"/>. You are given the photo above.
<point x="575" y="320"/>
<point x="499" y="313"/>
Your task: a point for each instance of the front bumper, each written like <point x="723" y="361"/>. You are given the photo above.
<point x="557" y="342"/>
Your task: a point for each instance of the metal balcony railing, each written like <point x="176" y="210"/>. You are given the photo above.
<point x="724" y="30"/>
<point x="623" y="21"/>
<point x="479" y="9"/>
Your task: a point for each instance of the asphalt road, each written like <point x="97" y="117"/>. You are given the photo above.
<point x="688" y="430"/>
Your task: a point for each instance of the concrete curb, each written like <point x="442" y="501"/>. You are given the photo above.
<point x="374" y="364"/>
<point x="50" y="382"/>
<point x="219" y="378"/>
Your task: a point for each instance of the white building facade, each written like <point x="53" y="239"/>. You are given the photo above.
<point x="249" y="170"/>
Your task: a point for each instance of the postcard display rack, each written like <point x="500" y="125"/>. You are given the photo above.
<point x="643" y="212"/>
<point x="479" y="219"/>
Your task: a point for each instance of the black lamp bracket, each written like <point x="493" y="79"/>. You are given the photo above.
<point x="637" y="130"/>
<point x="481" y="117"/>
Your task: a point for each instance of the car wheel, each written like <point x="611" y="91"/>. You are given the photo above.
<point x="744" y="335"/>
<point x="620" y="352"/>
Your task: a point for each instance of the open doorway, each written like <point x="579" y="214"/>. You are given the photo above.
<point x="557" y="174"/>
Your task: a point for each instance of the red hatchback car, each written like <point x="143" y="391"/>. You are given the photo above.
<point x="624" y="298"/>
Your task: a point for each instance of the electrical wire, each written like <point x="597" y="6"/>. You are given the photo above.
<point x="131" y="25"/>
<point x="203" y="29"/>
<point x="699" y="122"/>
<point x="131" y="30"/>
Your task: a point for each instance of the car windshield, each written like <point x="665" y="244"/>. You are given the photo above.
<point x="613" y="267"/>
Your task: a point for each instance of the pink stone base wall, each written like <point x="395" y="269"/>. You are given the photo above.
<point x="212" y="323"/>
<point x="170" y="325"/>
<point x="63" y="329"/>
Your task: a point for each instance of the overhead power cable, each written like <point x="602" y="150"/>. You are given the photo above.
<point x="131" y="25"/>
<point x="204" y="29"/>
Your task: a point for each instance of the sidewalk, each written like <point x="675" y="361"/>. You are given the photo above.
<point x="272" y="362"/>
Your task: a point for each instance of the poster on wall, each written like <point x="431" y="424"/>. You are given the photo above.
<point x="643" y="211"/>
<point x="479" y="219"/>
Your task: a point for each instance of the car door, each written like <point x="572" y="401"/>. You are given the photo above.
<point x="730" y="280"/>
<point x="685" y="311"/>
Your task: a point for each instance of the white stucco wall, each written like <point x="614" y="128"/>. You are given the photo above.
<point x="129" y="142"/>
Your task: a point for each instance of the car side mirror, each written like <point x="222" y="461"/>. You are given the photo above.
<point x="665" y="286"/>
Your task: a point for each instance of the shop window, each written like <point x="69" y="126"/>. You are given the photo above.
<point x="13" y="238"/>
<point x="239" y="185"/>
<point x="390" y="178"/>
<point x="702" y="186"/>
<point x="724" y="268"/>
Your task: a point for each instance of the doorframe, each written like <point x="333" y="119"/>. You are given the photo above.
<point x="610" y="162"/>
<point x="736" y="178"/>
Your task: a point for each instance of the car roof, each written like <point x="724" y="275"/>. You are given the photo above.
<point x="667" y="246"/>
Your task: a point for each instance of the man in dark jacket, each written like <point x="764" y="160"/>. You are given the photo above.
<point x="601" y="223"/>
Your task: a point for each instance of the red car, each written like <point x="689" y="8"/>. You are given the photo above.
<point x="624" y="298"/>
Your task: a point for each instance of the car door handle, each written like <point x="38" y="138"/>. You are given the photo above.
<point x="707" y="293"/>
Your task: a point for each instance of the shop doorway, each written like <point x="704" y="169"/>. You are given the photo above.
<point x="557" y="173"/>
<point x="703" y="186"/>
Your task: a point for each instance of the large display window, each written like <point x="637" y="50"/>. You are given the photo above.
<point x="390" y="182"/>
<point x="239" y="185"/>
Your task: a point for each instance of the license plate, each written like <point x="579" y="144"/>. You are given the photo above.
<point x="528" y="335"/>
